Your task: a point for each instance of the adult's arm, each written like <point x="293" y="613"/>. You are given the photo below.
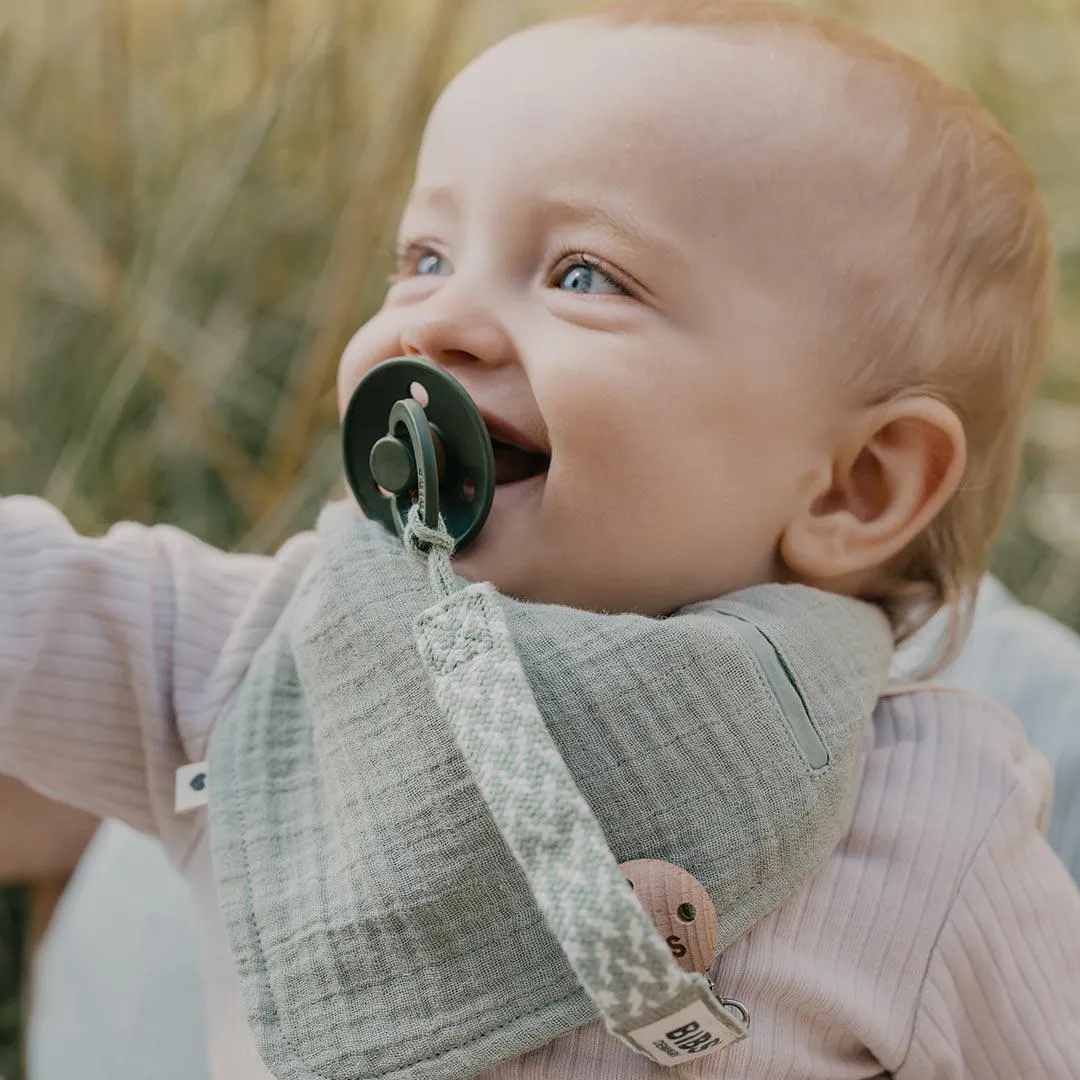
<point x="40" y="839"/>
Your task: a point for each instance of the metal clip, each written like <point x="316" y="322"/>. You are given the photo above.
<point x="731" y="1004"/>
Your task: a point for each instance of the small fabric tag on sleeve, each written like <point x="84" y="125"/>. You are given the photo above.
<point x="692" y="1032"/>
<point x="192" y="787"/>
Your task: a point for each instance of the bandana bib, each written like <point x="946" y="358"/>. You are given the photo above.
<point x="420" y="798"/>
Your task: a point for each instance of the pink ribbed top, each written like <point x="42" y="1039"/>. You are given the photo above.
<point x="941" y="940"/>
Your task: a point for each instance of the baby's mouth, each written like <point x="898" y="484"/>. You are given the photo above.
<point x="517" y="457"/>
<point x="513" y="464"/>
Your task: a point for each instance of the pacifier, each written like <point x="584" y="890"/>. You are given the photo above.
<point x="398" y="451"/>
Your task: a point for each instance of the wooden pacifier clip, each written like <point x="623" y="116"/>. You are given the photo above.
<point x="679" y="908"/>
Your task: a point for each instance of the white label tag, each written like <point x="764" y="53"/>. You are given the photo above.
<point x="192" y="784"/>
<point x="692" y="1032"/>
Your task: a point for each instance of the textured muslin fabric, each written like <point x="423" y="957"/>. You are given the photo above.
<point x="359" y="870"/>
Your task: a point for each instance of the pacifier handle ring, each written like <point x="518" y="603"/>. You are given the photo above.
<point x="409" y="414"/>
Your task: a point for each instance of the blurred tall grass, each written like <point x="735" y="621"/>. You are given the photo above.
<point x="197" y="199"/>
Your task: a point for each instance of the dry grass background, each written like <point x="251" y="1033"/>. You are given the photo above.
<point x="197" y="199"/>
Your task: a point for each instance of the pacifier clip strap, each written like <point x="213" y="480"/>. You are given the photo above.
<point x="623" y="964"/>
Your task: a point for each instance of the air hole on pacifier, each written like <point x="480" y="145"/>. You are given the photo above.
<point x="687" y="912"/>
<point x="468" y="489"/>
<point x="419" y="393"/>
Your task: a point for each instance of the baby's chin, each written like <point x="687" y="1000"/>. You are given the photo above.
<point x="508" y="562"/>
<point x="523" y="580"/>
<point x="505" y="554"/>
<point x="527" y="569"/>
<point x="510" y="549"/>
<point x="514" y="555"/>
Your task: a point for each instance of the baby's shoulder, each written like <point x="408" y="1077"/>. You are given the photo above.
<point x="937" y="716"/>
<point x="941" y="763"/>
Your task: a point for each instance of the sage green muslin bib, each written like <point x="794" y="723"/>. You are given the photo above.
<point x="389" y="824"/>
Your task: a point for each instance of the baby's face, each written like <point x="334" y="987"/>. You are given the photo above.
<point x="618" y="241"/>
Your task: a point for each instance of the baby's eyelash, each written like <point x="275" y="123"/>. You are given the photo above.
<point x="573" y="255"/>
<point x="406" y="256"/>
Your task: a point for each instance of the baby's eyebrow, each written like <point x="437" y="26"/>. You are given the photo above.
<point x="438" y="198"/>
<point x="621" y="223"/>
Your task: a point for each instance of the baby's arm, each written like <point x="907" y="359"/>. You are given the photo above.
<point x="1001" y="996"/>
<point x="117" y="653"/>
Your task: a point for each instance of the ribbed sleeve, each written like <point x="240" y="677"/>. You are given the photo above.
<point x="116" y="654"/>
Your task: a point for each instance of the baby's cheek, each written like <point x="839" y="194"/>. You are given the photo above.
<point x="374" y="342"/>
<point x="600" y="415"/>
<point x="348" y="373"/>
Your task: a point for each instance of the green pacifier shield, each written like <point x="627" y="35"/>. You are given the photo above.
<point x="438" y="454"/>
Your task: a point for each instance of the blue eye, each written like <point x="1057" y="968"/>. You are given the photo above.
<point x="431" y="264"/>
<point x="590" y="280"/>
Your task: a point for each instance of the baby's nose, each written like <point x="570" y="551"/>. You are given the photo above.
<point x="466" y="335"/>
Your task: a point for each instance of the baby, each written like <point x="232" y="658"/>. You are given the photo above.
<point x="761" y="301"/>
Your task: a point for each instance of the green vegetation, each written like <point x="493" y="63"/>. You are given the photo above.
<point x="196" y="202"/>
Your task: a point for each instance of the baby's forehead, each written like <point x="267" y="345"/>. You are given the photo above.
<point x="585" y="89"/>
<point x="703" y="128"/>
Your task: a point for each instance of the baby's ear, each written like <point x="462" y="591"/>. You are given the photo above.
<point x="899" y="465"/>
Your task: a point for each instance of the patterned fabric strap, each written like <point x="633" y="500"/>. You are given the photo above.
<point x="618" y="956"/>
